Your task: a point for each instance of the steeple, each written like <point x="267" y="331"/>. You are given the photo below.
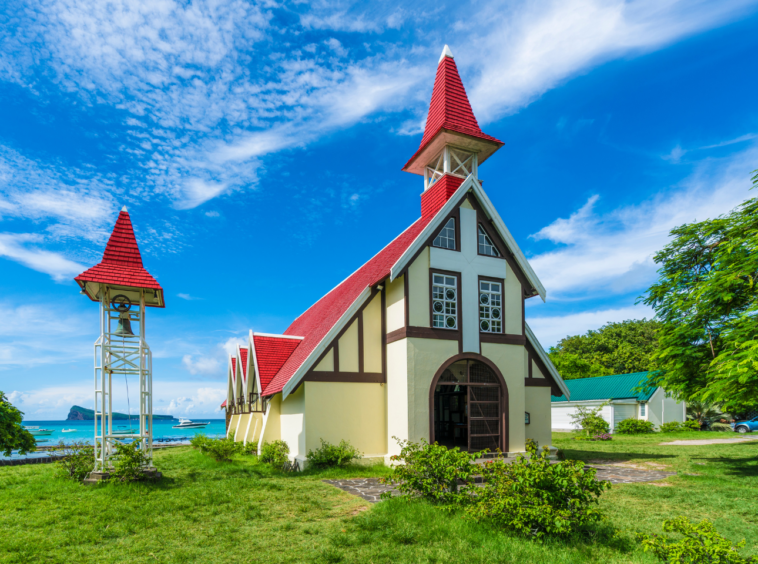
<point x="453" y="142"/>
<point x="121" y="267"/>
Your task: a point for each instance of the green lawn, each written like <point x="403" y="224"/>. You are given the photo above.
<point x="205" y="511"/>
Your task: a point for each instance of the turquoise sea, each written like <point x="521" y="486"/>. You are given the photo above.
<point x="163" y="432"/>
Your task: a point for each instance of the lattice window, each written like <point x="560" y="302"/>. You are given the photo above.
<point x="490" y="307"/>
<point x="461" y="162"/>
<point x="436" y="170"/>
<point x="485" y="244"/>
<point x="444" y="301"/>
<point x="446" y="237"/>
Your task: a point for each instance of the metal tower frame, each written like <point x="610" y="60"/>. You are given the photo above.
<point x="121" y="355"/>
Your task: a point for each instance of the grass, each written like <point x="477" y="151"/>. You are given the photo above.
<point x="246" y="512"/>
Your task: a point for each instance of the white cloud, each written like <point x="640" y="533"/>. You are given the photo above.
<point x="203" y="365"/>
<point x="613" y="251"/>
<point x="15" y="246"/>
<point x="551" y="329"/>
<point x="213" y="364"/>
<point x="188" y="297"/>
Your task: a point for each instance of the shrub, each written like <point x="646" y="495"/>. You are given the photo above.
<point x="721" y="427"/>
<point x="221" y="450"/>
<point x="78" y="459"/>
<point x="634" y="426"/>
<point x="534" y="497"/>
<point x="128" y="462"/>
<point x="701" y="544"/>
<point x="672" y="427"/>
<point x="694" y="425"/>
<point x="198" y="441"/>
<point x="329" y="455"/>
<point x="432" y="472"/>
<point x="275" y="453"/>
<point x="250" y="449"/>
<point x="590" y="420"/>
<point x="602" y="437"/>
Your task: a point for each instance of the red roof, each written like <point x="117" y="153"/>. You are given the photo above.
<point x="122" y="262"/>
<point x="272" y="353"/>
<point x="234" y="368"/>
<point x="450" y="109"/>
<point x="315" y="323"/>
<point x="440" y="192"/>
<point x="223" y="404"/>
<point x="243" y="359"/>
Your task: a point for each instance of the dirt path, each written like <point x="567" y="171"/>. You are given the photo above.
<point x="710" y="441"/>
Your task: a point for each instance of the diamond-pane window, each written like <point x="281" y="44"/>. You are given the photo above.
<point x="490" y="307"/>
<point x="446" y="238"/>
<point x="485" y="244"/>
<point x="444" y="301"/>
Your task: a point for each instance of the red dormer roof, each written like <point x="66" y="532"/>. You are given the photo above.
<point x="272" y="353"/>
<point x="122" y="264"/>
<point x="234" y="368"/>
<point x="243" y="359"/>
<point x="316" y="322"/>
<point x="450" y="111"/>
<point x="223" y="404"/>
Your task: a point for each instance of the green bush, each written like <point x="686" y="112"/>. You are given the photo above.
<point x="723" y="427"/>
<point x="701" y="544"/>
<point x="534" y="497"/>
<point x="672" y="427"/>
<point x="128" y="462"/>
<point x="634" y="426"/>
<point x="693" y="425"/>
<point x="221" y="450"/>
<point x="78" y="459"/>
<point x="250" y="449"/>
<point x="275" y="453"/>
<point x="198" y="441"/>
<point x="329" y="455"/>
<point x="432" y="472"/>
<point x="590" y="420"/>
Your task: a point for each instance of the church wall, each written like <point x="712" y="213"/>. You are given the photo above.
<point x="272" y="430"/>
<point x="327" y="363"/>
<point x="539" y="408"/>
<point x="536" y="372"/>
<point x="397" y="394"/>
<point x="253" y="428"/>
<point x="372" y="335"/>
<point x="396" y="304"/>
<point x="348" y="349"/>
<point x="418" y="288"/>
<point x="425" y="356"/>
<point x="514" y="304"/>
<point x="292" y="421"/>
<point x="354" y="411"/>
<point x="511" y="360"/>
<point x="233" y="422"/>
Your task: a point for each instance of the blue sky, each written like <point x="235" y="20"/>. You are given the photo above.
<point x="258" y="149"/>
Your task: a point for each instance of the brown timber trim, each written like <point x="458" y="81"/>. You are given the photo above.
<point x="455" y="334"/>
<point x="538" y="383"/>
<point x="361" y="344"/>
<point x="547" y="377"/>
<point x="365" y="377"/>
<point x="383" y="332"/>
<point x="529" y="360"/>
<point x="504" y="414"/>
<point x="422" y="333"/>
<point x="506" y="339"/>
<point x="406" y="293"/>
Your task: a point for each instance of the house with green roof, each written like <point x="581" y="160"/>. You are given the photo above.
<point x="623" y="401"/>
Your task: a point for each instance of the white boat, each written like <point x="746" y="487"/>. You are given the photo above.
<point x="124" y="431"/>
<point x="187" y="424"/>
<point x="68" y="430"/>
<point x="37" y="432"/>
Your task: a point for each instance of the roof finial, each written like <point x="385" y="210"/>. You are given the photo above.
<point x="124" y="209"/>
<point x="446" y="52"/>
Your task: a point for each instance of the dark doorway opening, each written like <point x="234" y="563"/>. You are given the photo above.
<point x="468" y="407"/>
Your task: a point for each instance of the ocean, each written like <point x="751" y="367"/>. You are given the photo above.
<point x="163" y="432"/>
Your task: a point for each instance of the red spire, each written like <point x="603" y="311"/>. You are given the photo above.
<point x="450" y="110"/>
<point x="122" y="264"/>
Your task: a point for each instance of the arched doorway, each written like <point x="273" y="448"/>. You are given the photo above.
<point x="469" y="405"/>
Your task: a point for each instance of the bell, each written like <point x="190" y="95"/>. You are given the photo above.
<point x="124" y="327"/>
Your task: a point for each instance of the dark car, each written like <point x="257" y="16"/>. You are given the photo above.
<point x="746" y="426"/>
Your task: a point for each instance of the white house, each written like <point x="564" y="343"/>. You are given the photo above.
<point x="623" y="401"/>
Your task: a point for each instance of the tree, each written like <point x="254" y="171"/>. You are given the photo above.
<point x="13" y="436"/>
<point x="615" y="348"/>
<point x="707" y="299"/>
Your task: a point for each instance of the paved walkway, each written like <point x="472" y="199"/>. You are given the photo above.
<point x="371" y="489"/>
<point x="711" y="441"/>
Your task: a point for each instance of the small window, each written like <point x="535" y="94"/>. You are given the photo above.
<point x="444" y="301"/>
<point x="490" y="307"/>
<point x="446" y="238"/>
<point x="485" y="244"/>
<point x="642" y="409"/>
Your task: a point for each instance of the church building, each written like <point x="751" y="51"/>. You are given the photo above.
<point x="426" y="340"/>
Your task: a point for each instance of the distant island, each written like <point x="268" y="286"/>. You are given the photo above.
<point x="79" y="413"/>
